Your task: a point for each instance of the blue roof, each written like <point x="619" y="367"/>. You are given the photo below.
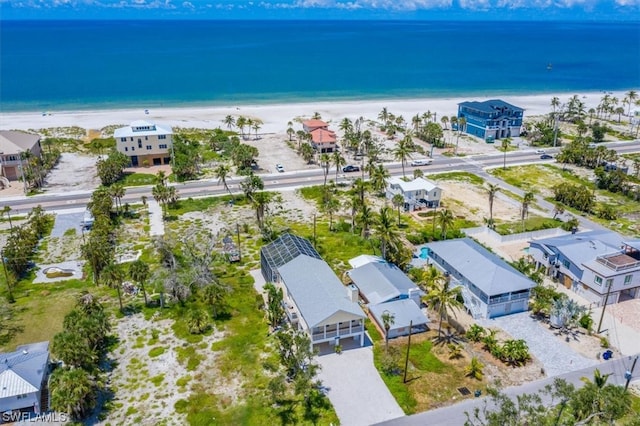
<point x="484" y="269"/>
<point x="316" y="290"/>
<point x="490" y="106"/>
<point x="381" y="282"/>
<point x="23" y="370"/>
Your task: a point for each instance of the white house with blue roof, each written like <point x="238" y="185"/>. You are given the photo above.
<point x="23" y="375"/>
<point x="492" y="119"/>
<point x="315" y="300"/>
<point x="490" y="286"/>
<point x="592" y="264"/>
<point x="385" y="289"/>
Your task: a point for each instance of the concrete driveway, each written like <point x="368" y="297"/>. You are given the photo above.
<point x="356" y="390"/>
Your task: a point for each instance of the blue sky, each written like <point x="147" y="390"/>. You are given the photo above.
<point x="624" y="10"/>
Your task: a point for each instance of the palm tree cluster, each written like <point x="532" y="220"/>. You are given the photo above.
<point x="512" y="352"/>
<point x="164" y="194"/>
<point x="574" y="195"/>
<point x="80" y="345"/>
<point x="111" y="169"/>
<point x="242" y="123"/>
<point x="440" y="296"/>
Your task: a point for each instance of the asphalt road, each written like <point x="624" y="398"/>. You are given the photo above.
<point x="210" y="187"/>
<point x="454" y="415"/>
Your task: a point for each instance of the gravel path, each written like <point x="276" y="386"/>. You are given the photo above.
<point x="156" y="222"/>
<point x="556" y="356"/>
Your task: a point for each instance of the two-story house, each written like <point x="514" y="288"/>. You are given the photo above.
<point x="13" y="145"/>
<point x="599" y="265"/>
<point x="490" y="286"/>
<point x="315" y="300"/>
<point x="145" y="143"/>
<point x="323" y="140"/>
<point x="489" y="120"/>
<point x="417" y="193"/>
<point x="23" y="378"/>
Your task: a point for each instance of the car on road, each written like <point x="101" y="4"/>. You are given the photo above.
<point x="421" y="162"/>
<point x="350" y="168"/>
<point x="546" y="157"/>
<point x="540" y="151"/>
<point x="280" y="168"/>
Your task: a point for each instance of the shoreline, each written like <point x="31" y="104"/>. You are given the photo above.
<point x="276" y="115"/>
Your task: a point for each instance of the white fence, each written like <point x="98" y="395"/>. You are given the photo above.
<point x="523" y="236"/>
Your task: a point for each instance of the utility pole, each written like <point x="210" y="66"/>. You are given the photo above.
<point x="6" y="276"/>
<point x="555" y="128"/>
<point x="629" y="374"/>
<point x="406" y="360"/>
<point x="314" y="230"/>
<point x="238" y="237"/>
<point x="606" y="299"/>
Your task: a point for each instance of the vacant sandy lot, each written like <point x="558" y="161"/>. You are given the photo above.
<point x="74" y="172"/>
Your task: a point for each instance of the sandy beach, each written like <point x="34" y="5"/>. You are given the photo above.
<point x="276" y="116"/>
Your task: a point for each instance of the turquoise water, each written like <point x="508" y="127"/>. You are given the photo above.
<point x="54" y="65"/>
<point x="424" y="253"/>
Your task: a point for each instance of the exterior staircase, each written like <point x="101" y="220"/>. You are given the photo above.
<point x="468" y="302"/>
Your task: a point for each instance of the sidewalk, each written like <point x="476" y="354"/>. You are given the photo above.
<point x="156" y="221"/>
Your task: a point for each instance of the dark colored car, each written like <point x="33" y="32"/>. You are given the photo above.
<point x="546" y="157"/>
<point x="350" y="168"/>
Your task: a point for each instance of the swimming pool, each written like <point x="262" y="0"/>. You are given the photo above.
<point x="424" y="252"/>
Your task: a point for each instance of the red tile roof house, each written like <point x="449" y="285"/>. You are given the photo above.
<point x="322" y="139"/>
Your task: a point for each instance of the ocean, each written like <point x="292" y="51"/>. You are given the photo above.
<point x="84" y="65"/>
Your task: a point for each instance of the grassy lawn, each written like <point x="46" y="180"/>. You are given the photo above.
<point x="533" y="223"/>
<point x="432" y="378"/>
<point x="458" y="176"/>
<point x="139" y="179"/>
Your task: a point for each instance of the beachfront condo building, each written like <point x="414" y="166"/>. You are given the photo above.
<point x="145" y="143"/>
<point x="491" y="120"/>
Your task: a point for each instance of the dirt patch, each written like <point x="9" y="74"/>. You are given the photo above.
<point x="274" y="149"/>
<point x="74" y="172"/>
<point x="473" y="203"/>
<point x="150" y="376"/>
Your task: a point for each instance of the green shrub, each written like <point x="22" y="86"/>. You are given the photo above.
<point x="157" y="351"/>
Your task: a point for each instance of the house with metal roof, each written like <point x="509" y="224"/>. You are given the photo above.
<point x="601" y="265"/>
<point x="12" y="146"/>
<point x="490" y="120"/>
<point x="384" y="288"/>
<point x="417" y="193"/>
<point x="23" y="376"/>
<point x="490" y="286"/>
<point x="145" y="143"/>
<point x="315" y="300"/>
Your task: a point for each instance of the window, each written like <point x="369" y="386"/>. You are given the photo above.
<point x="148" y="147"/>
<point x="598" y="280"/>
<point x="123" y="139"/>
<point x="627" y="279"/>
<point x="131" y="138"/>
<point x="162" y="136"/>
<point x="162" y="146"/>
<point x="139" y="144"/>
<point x="146" y="138"/>
<point x="126" y="149"/>
<point x="133" y="149"/>
<point x="609" y="282"/>
<point x="566" y="263"/>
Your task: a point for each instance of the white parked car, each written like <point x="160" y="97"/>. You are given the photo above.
<point x="280" y="168"/>
<point x="540" y="151"/>
<point x="421" y="162"/>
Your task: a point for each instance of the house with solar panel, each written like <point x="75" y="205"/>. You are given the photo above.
<point x="23" y="378"/>
<point x="386" y="290"/>
<point x="490" y="286"/>
<point x="491" y="120"/>
<point x="315" y="300"/>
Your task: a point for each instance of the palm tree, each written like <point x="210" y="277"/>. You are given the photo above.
<point x="241" y="122"/>
<point x="7" y="210"/>
<point x="197" y="320"/>
<point x="443" y="298"/>
<point x="445" y="220"/>
<point x="506" y="142"/>
<point x="444" y="121"/>
<point x="307" y="152"/>
<point x="474" y="369"/>
<point x="386" y="230"/>
<point x="229" y="121"/>
<point x="402" y="152"/>
<point x="388" y="319"/>
<point x="290" y="131"/>
<point x="117" y="191"/>
<point x="256" y="125"/>
<point x="631" y="97"/>
<point x="72" y="392"/>
<point x="384" y="116"/>
<point x="365" y="219"/>
<point x="325" y="161"/>
<point x="338" y="161"/>
<point x="379" y="178"/>
<point x="360" y="187"/>
<point x="222" y="172"/>
<point x="139" y="272"/>
<point x="492" y="190"/>
<point x="398" y="201"/>
<point x="527" y="199"/>
<point x="113" y="276"/>
<point x="354" y="205"/>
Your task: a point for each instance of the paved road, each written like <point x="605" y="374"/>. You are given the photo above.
<point x="210" y="187"/>
<point x="454" y="415"/>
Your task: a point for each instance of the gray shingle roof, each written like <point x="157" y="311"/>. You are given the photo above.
<point x="381" y="282"/>
<point x="22" y="371"/>
<point x="316" y="290"/>
<point x="13" y="142"/>
<point x="484" y="269"/>
<point x="404" y="311"/>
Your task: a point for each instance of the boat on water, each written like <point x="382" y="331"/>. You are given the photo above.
<point x="549" y="66"/>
